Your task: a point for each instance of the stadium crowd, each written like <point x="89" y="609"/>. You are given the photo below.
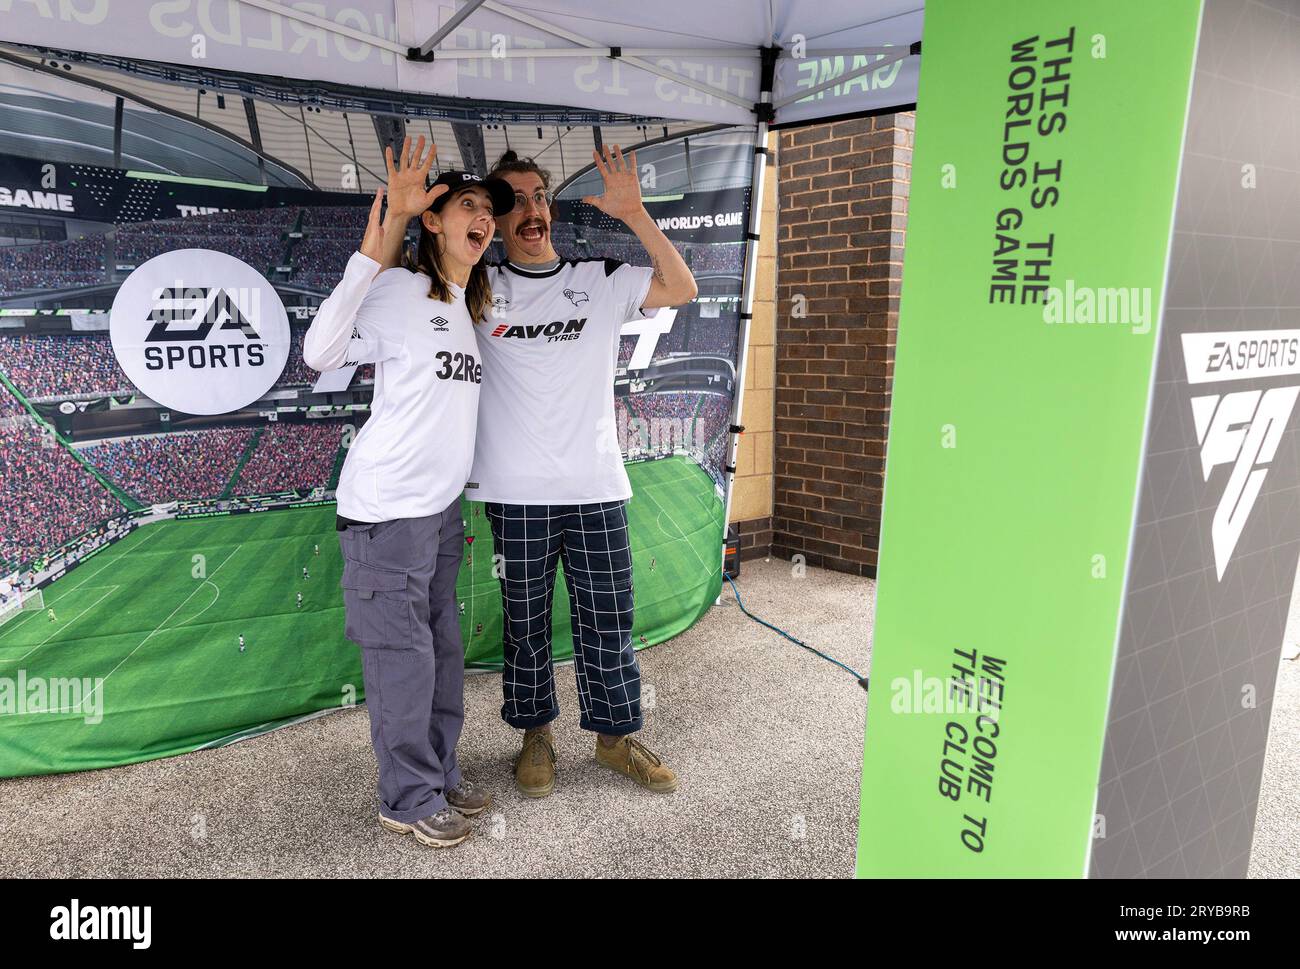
<point x="181" y="466"/>
<point x="141" y="241"/>
<point x="49" y="496"/>
<point x="61" y="365"/>
<point x="691" y="333"/>
<point x="689" y="421"/>
<point x="52" y="265"/>
<point x="291" y="456"/>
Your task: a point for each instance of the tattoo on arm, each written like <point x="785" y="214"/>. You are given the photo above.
<point x="658" y="270"/>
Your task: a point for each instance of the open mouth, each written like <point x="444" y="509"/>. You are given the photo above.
<point x="532" y="231"/>
<point x="477" y="239"/>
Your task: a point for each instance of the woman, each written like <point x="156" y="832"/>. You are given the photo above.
<point x="399" y="517"/>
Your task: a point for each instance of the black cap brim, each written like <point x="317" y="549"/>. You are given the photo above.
<point x="498" y="189"/>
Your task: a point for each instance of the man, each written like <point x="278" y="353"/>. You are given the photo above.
<point x="554" y="488"/>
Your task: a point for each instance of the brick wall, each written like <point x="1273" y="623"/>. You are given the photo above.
<point x="842" y="214"/>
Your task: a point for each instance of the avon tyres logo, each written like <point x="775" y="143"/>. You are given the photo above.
<point x="199" y="332"/>
<point x="550" y="332"/>
<point x="1241" y="429"/>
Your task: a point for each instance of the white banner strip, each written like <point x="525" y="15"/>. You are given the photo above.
<point x="1241" y="355"/>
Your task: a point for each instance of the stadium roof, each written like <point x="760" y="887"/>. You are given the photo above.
<point x="64" y="110"/>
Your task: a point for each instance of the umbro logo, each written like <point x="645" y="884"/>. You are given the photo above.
<point x="439" y="324"/>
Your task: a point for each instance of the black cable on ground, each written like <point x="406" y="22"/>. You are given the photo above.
<point x="862" y="680"/>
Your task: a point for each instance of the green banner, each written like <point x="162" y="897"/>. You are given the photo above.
<point x="1043" y="187"/>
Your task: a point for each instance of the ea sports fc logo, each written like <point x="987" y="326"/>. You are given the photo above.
<point x="199" y="331"/>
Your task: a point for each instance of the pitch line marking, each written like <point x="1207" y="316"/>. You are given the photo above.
<point x="111" y="589"/>
<point x="680" y="533"/>
<point x="159" y="626"/>
<point x="64" y="593"/>
<point x="217" y="588"/>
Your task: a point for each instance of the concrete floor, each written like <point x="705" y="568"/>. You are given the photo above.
<point x="1275" y="852"/>
<point x="766" y="737"/>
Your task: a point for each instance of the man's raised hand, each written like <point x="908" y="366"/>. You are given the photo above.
<point x="622" y="198"/>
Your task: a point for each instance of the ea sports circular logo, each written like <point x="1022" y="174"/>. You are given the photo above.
<point x="199" y="331"/>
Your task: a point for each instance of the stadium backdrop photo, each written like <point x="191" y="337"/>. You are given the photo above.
<point x="183" y="186"/>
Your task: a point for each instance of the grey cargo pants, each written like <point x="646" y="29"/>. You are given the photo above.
<point x="399" y="596"/>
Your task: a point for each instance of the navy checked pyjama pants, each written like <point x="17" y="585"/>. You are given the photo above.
<point x="591" y="540"/>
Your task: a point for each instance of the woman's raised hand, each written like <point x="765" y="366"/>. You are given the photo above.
<point x="372" y="243"/>
<point x="407" y="196"/>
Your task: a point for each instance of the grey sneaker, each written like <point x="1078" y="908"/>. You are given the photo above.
<point x="468" y="798"/>
<point x="441" y="830"/>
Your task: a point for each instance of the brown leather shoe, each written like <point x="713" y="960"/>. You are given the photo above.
<point x="639" y="762"/>
<point x="535" y="765"/>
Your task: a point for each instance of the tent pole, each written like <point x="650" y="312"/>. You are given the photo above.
<point x="422" y="52"/>
<point x="764" y="115"/>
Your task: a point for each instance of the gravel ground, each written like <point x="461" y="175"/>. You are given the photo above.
<point x="766" y="738"/>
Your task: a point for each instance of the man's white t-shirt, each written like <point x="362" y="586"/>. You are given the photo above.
<point x="413" y="456"/>
<point x="546" y="432"/>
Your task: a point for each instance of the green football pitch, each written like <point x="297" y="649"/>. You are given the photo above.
<point x="142" y="657"/>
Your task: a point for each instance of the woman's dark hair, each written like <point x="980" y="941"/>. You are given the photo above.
<point x="427" y="259"/>
<point x="511" y="162"/>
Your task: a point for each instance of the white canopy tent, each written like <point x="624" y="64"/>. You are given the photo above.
<point x="752" y="63"/>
